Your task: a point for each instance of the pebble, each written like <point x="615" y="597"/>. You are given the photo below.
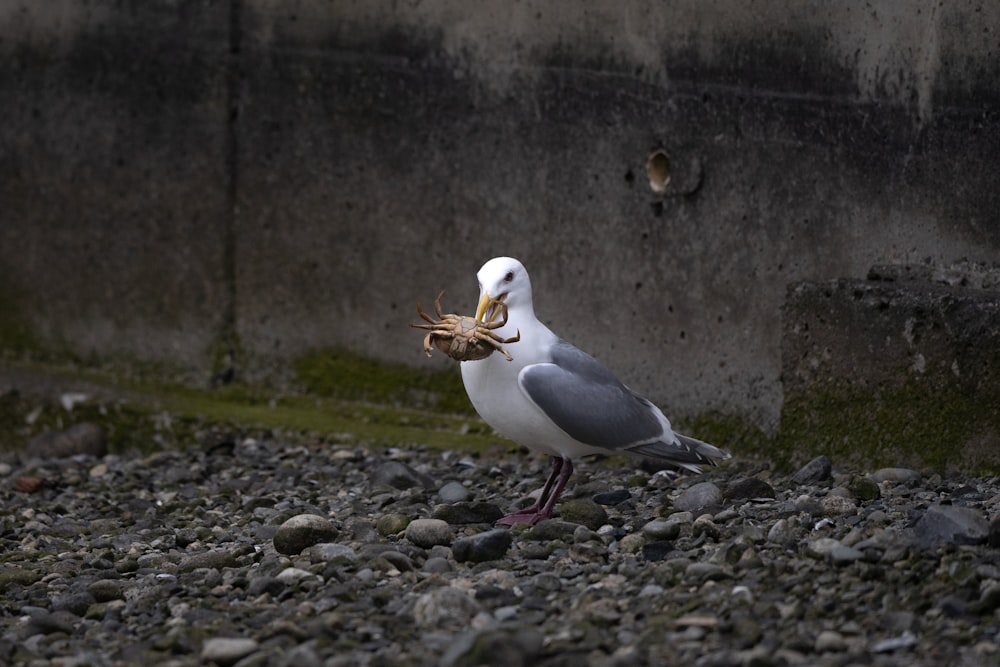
<point x="328" y="552"/>
<point x="227" y="651"/>
<point x="500" y="647"/>
<point x="699" y="498"/>
<point x="583" y="511"/>
<point x="392" y="523"/>
<point x="437" y="564"/>
<point x="844" y="555"/>
<point x="464" y="513"/>
<point x="782" y="532"/>
<point x="612" y="498"/>
<point x="951" y="524"/>
<point x="906" y="640"/>
<point x="864" y="489"/>
<point x="835" y="505"/>
<point x="657" y="550"/>
<point x="659" y="529"/>
<point x="704" y="525"/>
<point x="429" y="532"/>
<point x="747" y="488"/>
<point x="817" y="470"/>
<point x="453" y="492"/>
<point x="293" y="574"/>
<point x="896" y="475"/>
<point x="398" y="475"/>
<point x="443" y="608"/>
<point x="213" y="558"/>
<point x="828" y="640"/>
<point x="490" y="545"/>
<point x="302" y="531"/>
<point x="779" y="573"/>
<point x="549" y="530"/>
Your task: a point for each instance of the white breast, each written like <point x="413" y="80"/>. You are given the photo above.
<point x="492" y="387"/>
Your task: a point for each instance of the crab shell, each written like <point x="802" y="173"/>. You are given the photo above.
<point x="463" y="344"/>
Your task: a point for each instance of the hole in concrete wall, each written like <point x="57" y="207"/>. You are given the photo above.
<point x="658" y="170"/>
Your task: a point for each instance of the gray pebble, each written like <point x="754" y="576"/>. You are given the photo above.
<point x="105" y="590"/>
<point x="844" y="555"/>
<point x="464" y="513"/>
<point x="453" y="492"/>
<point x="398" y="475"/>
<point x="302" y="531"/>
<point x="444" y="608"/>
<point x="896" y="475"/>
<point x="429" y="532"/>
<point x="836" y="505"/>
<point x="699" y="498"/>
<point x="396" y="560"/>
<point x="265" y="584"/>
<point x="215" y="558"/>
<point x="611" y="498"/>
<point x="831" y="641"/>
<point x="75" y="603"/>
<point x="657" y="550"/>
<point x="662" y="530"/>
<point x="495" y="647"/>
<point x="782" y="532"/>
<point x="748" y="487"/>
<point x="821" y="548"/>
<point x="817" y="470"/>
<point x="437" y="564"/>
<point x="490" y="545"/>
<point x="944" y="524"/>
<point x="46" y="623"/>
<point x="329" y="552"/>
<point x="704" y="525"/>
<point x="699" y="572"/>
<point x="227" y="650"/>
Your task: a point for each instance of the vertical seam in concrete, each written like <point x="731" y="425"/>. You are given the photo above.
<point x="927" y="68"/>
<point x="229" y="339"/>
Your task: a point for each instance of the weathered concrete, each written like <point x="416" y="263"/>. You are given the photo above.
<point x="301" y="173"/>
<point x="904" y="371"/>
<point x="113" y="175"/>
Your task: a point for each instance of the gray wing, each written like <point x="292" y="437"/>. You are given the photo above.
<point x="587" y="401"/>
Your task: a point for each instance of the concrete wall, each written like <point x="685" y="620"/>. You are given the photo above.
<point x="299" y="174"/>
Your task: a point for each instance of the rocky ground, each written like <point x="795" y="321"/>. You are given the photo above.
<point x="265" y="550"/>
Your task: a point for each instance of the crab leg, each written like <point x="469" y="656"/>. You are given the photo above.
<point x="437" y="305"/>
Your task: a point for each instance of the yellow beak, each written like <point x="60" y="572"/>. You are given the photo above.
<point x="484" y="302"/>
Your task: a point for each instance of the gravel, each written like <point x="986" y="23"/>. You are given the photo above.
<point x="275" y="552"/>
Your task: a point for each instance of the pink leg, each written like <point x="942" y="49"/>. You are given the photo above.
<point x="542" y="509"/>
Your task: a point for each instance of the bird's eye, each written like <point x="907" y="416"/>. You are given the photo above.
<point x="509" y="277"/>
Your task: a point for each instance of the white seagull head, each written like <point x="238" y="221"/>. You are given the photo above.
<point x="506" y="280"/>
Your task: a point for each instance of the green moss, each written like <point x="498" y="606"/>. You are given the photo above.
<point x="18" y="576"/>
<point x="16" y="335"/>
<point x="733" y="434"/>
<point x="149" y="415"/>
<point x="912" y="425"/>
<point x="342" y="374"/>
<point x="227" y="355"/>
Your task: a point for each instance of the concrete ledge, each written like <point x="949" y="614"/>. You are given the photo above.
<point x="904" y="372"/>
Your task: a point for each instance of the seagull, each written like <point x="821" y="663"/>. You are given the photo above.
<point x="556" y="399"/>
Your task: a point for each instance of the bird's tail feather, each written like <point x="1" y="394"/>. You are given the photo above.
<point x="688" y="453"/>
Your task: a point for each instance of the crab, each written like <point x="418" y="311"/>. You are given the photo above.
<point x="464" y="338"/>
